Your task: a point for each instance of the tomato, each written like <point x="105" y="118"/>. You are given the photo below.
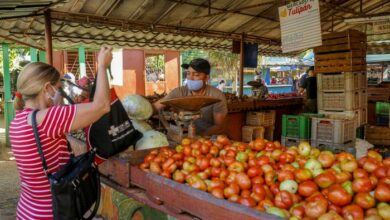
<point x="217" y="192"/>
<point x="302" y="174"/>
<point x="298" y="210"/>
<point x="155" y="167"/>
<point x="353" y="212"/>
<point x="339" y="196"/>
<point x="223" y="140"/>
<point x="370" y="165"/>
<point x="382" y="192"/>
<point x="286" y="158"/>
<point x="275" y="188"/>
<point x="386" y="162"/>
<point x="331" y="215"/>
<point x="247" y="201"/>
<point x="262" y="160"/>
<point x="314" y="209"/>
<point x="254" y="171"/>
<point x="359" y="173"/>
<point x="243" y="181"/>
<point x="223" y="174"/>
<point x="380" y="171"/>
<point x="259" y="190"/>
<point x="333" y="207"/>
<point x="234" y="198"/>
<point x="364" y="200"/>
<point x="187" y="150"/>
<point x="265" y="204"/>
<point x="307" y="188"/>
<point x="362" y="185"/>
<point x="232" y="189"/>
<point x="270" y="178"/>
<point x="283" y="200"/>
<point x="344" y="156"/>
<point x="326" y="159"/>
<point x="349" y="165"/>
<point x="276" y="154"/>
<point x="343" y="176"/>
<point x="235" y="166"/>
<point x="374" y="155"/>
<point x="258" y="144"/>
<point x="285" y="175"/>
<point x="269" y="146"/>
<point x="245" y="193"/>
<point x="325" y="180"/>
<point x="203" y="163"/>
<point x="257" y="180"/>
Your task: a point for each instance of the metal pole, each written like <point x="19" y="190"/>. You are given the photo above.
<point x="8" y="106"/>
<point x="83" y="70"/>
<point x="242" y="57"/>
<point x="48" y="38"/>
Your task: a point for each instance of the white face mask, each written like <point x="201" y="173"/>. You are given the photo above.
<point x="56" y="94"/>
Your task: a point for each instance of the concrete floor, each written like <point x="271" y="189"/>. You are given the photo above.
<point x="9" y="179"/>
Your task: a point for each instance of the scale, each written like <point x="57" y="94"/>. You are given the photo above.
<point x="255" y="87"/>
<point x="185" y="111"/>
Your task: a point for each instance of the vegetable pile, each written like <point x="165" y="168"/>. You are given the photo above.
<point x="297" y="182"/>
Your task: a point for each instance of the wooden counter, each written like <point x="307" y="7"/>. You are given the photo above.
<point x="236" y="117"/>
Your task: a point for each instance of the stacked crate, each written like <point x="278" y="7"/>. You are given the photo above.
<point x="296" y="128"/>
<point x="260" y="124"/>
<point x="340" y="64"/>
<point x="382" y="110"/>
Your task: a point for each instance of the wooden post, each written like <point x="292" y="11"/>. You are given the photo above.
<point x="48" y="38"/>
<point x="242" y="57"/>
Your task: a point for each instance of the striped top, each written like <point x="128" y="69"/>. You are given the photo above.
<point x="35" y="200"/>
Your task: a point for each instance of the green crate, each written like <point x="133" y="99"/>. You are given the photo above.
<point x="360" y="132"/>
<point x="382" y="108"/>
<point x="296" y="126"/>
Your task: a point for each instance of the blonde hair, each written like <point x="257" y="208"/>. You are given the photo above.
<point x="32" y="79"/>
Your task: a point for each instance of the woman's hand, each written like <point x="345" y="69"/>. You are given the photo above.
<point x="105" y="57"/>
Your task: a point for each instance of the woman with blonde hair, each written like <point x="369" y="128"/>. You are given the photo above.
<point x="38" y="89"/>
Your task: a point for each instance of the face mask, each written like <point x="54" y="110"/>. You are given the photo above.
<point x="194" y="85"/>
<point x="53" y="98"/>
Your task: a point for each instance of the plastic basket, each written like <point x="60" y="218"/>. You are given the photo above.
<point x="359" y="115"/>
<point x="334" y="131"/>
<point x="288" y="142"/>
<point x="382" y="108"/>
<point x="341" y="82"/>
<point x="335" y="148"/>
<point x="382" y="120"/>
<point x="296" y="126"/>
<point x="261" y="118"/>
<point x="250" y="133"/>
<point x="339" y="101"/>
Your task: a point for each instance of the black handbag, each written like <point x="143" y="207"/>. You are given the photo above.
<point x="75" y="187"/>
<point x="113" y="132"/>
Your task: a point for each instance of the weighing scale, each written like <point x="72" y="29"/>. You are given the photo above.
<point x="185" y="111"/>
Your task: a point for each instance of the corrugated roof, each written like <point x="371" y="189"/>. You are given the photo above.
<point x="175" y="24"/>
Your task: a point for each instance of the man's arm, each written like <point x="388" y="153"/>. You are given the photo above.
<point x="219" y="125"/>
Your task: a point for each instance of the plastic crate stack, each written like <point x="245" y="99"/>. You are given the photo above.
<point x="340" y="64"/>
<point x="382" y="110"/>
<point x="296" y="128"/>
<point x="259" y="124"/>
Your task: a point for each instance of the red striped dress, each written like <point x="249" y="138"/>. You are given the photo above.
<point x="35" y="196"/>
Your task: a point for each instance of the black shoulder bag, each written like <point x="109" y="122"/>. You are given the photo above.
<point x="75" y="187"/>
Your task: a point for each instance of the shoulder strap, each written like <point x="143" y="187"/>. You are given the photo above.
<point x="37" y="139"/>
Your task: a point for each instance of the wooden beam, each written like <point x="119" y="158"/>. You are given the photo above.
<point x="335" y="7"/>
<point x="119" y="23"/>
<point x="21" y="42"/>
<point x="48" y="38"/>
<point x="106" y="6"/>
<point x="165" y="13"/>
<point x="20" y="16"/>
<point x="77" y="5"/>
<point x="222" y="11"/>
<point x="242" y="57"/>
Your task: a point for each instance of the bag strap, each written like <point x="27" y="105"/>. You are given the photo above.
<point x="37" y="139"/>
<point x="97" y="203"/>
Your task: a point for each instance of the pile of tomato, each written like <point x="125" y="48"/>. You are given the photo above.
<point x="296" y="182"/>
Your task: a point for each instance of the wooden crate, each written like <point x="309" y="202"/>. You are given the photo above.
<point x="118" y="167"/>
<point x="342" y="41"/>
<point x="377" y="135"/>
<point x="181" y="198"/>
<point x="351" y="61"/>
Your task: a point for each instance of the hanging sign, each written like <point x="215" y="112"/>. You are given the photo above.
<point x="300" y="25"/>
<point x="381" y="27"/>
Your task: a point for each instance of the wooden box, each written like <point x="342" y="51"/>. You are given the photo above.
<point x="351" y="61"/>
<point x="377" y="135"/>
<point x="342" y="41"/>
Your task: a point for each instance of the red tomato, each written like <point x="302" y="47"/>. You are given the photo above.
<point x="381" y="171"/>
<point x="324" y="180"/>
<point x="217" y="192"/>
<point x="254" y="171"/>
<point x="257" y="180"/>
<point x="302" y="175"/>
<point x="247" y="201"/>
<point x="298" y="211"/>
<point x="382" y="192"/>
<point x="343" y="176"/>
<point x="286" y="158"/>
<point x="285" y="175"/>
<point x="365" y="200"/>
<point x="339" y="196"/>
<point x="243" y="181"/>
<point x="362" y="185"/>
<point x="314" y="209"/>
<point x="283" y="200"/>
<point x="307" y="188"/>
<point x="270" y="146"/>
<point x="353" y="212"/>
<point x="259" y="190"/>
<point x="360" y="173"/>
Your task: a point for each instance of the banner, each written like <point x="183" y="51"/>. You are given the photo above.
<point x="300" y="25"/>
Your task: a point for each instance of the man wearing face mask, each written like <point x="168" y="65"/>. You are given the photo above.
<point x="213" y="117"/>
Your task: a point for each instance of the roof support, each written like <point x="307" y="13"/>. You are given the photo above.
<point x="48" y="38"/>
<point x="8" y="107"/>
<point x="165" y="13"/>
<point x="242" y="57"/>
<point x="20" y="42"/>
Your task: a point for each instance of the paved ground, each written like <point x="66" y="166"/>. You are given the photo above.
<point x="9" y="180"/>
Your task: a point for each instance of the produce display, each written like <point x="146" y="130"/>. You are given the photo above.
<point x="283" y="95"/>
<point x="297" y="182"/>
